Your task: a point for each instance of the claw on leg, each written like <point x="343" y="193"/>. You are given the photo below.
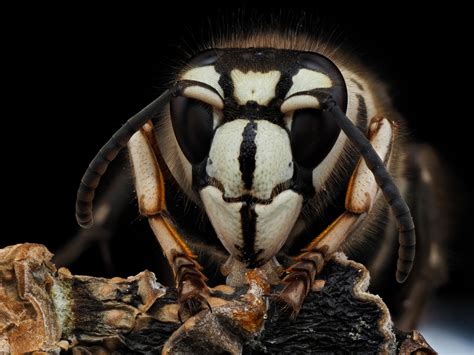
<point x="149" y="184"/>
<point x="192" y="289"/>
<point x="360" y="198"/>
<point x="190" y="281"/>
<point x="292" y="296"/>
<point x="299" y="280"/>
<point x="192" y="298"/>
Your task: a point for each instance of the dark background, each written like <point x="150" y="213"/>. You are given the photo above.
<point x="78" y="75"/>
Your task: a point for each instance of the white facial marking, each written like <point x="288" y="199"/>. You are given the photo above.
<point x="217" y="117"/>
<point x="288" y="119"/>
<point x="202" y="94"/>
<point x="225" y="218"/>
<point x="275" y="221"/>
<point x="179" y="166"/>
<point x="273" y="160"/>
<point x="323" y="171"/>
<point x="353" y="93"/>
<point x="299" y="102"/>
<point x="223" y="163"/>
<point x="307" y="79"/>
<point x="207" y="75"/>
<point x="254" y="86"/>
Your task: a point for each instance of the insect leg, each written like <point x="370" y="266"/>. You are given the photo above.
<point x="360" y="198"/>
<point x="150" y="189"/>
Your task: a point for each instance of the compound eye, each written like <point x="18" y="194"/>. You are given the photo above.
<point x="207" y="57"/>
<point x="193" y="127"/>
<point x="313" y="134"/>
<point x="321" y="64"/>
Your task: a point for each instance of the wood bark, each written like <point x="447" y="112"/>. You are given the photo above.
<point x="47" y="310"/>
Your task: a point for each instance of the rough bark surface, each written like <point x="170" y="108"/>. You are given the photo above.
<point x="47" y="310"/>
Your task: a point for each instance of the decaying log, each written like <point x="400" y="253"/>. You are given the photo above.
<point x="47" y="310"/>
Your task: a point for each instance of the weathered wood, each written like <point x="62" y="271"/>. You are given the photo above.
<point x="44" y="309"/>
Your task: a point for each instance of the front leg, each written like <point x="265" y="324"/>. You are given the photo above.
<point x="360" y="198"/>
<point x="150" y="189"/>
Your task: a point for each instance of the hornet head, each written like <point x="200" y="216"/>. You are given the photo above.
<point x="247" y="125"/>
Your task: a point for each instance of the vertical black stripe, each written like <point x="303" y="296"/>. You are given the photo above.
<point x="248" y="149"/>
<point x="248" y="216"/>
<point x="249" y="228"/>
<point x="226" y="83"/>
<point x="361" y="119"/>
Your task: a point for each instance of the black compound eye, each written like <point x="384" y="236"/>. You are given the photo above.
<point x="319" y="63"/>
<point x="208" y="57"/>
<point x="313" y="134"/>
<point x="193" y="127"/>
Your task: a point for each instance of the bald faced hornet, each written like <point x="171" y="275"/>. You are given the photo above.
<point x="287" y="150"/>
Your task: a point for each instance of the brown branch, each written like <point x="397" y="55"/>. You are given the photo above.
<point x="44" y="309"/>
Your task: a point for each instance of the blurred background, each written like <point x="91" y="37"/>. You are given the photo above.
<point x="80" y="73"/>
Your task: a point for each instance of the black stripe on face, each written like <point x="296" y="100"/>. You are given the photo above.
<point x="249" y="228"/>
<point x="359" y="85"/>
<point x="248" y="149"/>
<point x="362" y="118"/>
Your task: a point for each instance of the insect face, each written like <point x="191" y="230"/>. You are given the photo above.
<point x="252" y="137"/>
<point x="247" y="125"/>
